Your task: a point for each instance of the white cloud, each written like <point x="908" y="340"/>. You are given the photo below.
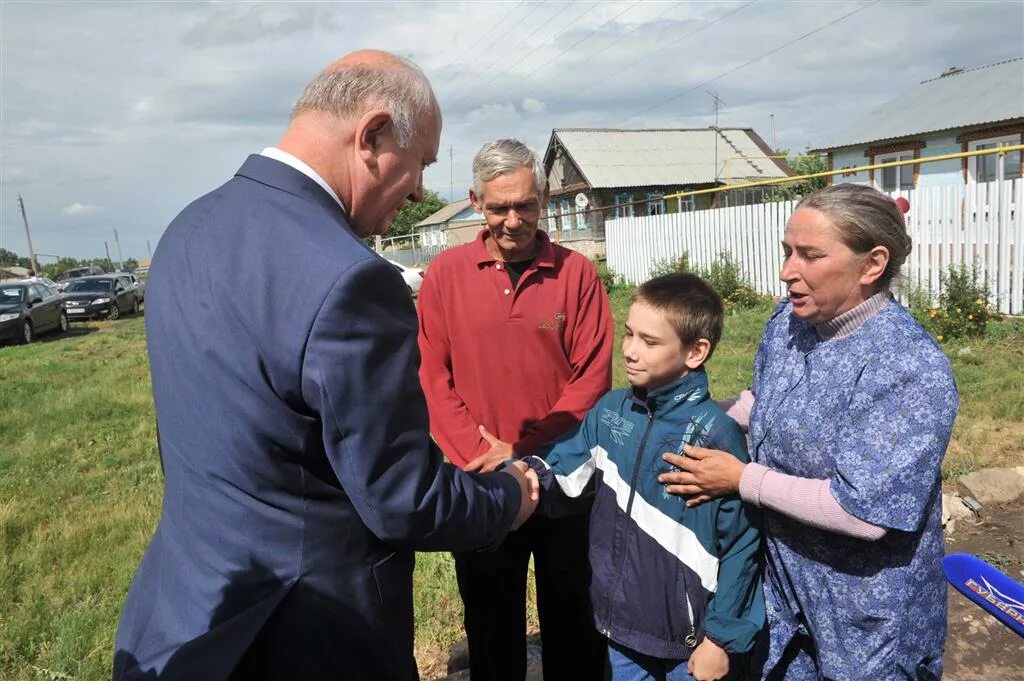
<point x="534" y="106"/>
<point x="81" y="209"/>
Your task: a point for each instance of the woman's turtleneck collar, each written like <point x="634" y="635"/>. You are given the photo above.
<point x="851" y="320"/>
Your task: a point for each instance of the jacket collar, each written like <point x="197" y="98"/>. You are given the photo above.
<point x="690" y="389"/>
<point x="274" y="173"/>
<point x="544" y="258"/>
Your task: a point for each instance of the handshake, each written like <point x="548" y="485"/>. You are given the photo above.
<point x="529" y="490"/>
<point x="496" y="457"/>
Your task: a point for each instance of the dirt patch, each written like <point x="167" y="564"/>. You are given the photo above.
<point x="979" y="647"/>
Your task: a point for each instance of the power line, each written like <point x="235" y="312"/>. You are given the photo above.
<point x="527" y="38"/>
<point x="568" y="49"/>
<point x="477" y="41"/>
<point x="666" y="46"/>
<point x="748" y="63"/>
<point x="509" y="30"/>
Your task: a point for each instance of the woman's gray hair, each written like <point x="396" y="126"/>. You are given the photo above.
<point x="865" y="218"/>
<point x="505" y="156"/>
<point x="348" y="91"/>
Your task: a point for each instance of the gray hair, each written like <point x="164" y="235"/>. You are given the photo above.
<point x="865" y="218"/>
<point x="505" y="156"/>
<point x="403" y="91"/>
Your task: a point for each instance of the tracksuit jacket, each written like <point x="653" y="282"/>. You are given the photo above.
<point x="664" y="575"/>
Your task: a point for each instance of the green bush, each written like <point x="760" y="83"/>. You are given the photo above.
<point x="609" y="279"/>
<point x="671" y="265"/>
<point x="726" y="277"/>
<point x="963" y="310"/>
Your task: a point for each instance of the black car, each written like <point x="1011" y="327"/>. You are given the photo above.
<point x="28" y="309"/>
<point x="102" y="296"/>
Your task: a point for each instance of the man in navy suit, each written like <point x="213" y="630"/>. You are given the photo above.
<point x="299" y="473"/>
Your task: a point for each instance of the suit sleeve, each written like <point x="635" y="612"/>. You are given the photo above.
<point x="590" y="358"/>
<point x="359" y="375"/>
<point x="736" y="613"/>
<point x="451" y="424"/>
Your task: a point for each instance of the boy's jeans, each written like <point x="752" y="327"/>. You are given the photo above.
<point x="629" y="665"/>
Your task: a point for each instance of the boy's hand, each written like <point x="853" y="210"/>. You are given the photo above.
<point x="708" y="662"/>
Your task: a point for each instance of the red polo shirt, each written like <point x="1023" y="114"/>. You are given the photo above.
<point x="526" y="362"/>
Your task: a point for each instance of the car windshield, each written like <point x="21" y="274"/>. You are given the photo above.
<point x="12" y="295"/>
<point x="89" y="286"/>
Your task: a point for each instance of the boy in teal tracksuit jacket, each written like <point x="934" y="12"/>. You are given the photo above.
<point x="674" y="588"/>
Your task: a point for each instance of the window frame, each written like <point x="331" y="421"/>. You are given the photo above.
<point x="990" y="142"/>
<point x="897" y="156"/>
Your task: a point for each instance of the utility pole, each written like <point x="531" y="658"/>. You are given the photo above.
<point x="775" y="148"/>
<point x="451" y="173"/>
<point x="149" y="250"/>
<point x="717" y="100"/>
<point x="107" y="249"/>
<point x="31" y="252"/>
<point x="120" y="261"/>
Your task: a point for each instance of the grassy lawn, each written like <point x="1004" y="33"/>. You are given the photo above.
<point x="80" y="481"/>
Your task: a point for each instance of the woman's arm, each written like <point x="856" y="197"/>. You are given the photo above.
<point x="804" y="499"/>
<point x="708" y="473"/>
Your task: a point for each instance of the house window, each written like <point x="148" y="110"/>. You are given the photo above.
<point x="687" y="204"/>
<point x="623" y="206"/>
<point x="897" y="177"/>
<point x="985" y="168"/>
<point x="566" y="214"/>
<point x="581" y="219"/>
<point x="552" y="218"/>
<point x="655" y="203"/>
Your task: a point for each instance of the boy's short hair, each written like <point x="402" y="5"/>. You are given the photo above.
<point x="690" y="305"/>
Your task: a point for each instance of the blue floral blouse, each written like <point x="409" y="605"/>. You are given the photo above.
<point x="872" y="412"/>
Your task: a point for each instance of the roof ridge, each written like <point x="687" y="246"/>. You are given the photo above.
<point x="968" y="69"/>
<point x="707" y="129"/>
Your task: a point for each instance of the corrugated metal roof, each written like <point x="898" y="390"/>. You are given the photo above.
<point x="641" y="158"/>
<point x="976" y="96"/>
<point x="445" y="214"/>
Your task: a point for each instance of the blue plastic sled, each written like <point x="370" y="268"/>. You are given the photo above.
<point x="999" y="594"/>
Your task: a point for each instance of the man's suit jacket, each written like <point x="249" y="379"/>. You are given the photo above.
<point x="299" y="475"/>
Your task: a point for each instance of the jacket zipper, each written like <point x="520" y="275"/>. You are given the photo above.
<point x="629" y="508"/>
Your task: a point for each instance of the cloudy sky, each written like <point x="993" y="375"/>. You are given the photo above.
<point x="116" y="115"/>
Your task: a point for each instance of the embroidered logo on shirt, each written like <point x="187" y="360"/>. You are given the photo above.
<point x="619" y="426"/>
<point x="556" y="323"/>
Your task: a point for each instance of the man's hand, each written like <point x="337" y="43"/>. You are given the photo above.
<point x="708" y="662"/>
<point x="499" y="453"/>
<point x="704" y="474"/>
<point x="529" y="490"/>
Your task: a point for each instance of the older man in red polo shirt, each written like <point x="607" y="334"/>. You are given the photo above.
<point x="516" y="335"/>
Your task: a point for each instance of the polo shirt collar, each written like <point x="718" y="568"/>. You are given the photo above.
<point x="545" y="256"/>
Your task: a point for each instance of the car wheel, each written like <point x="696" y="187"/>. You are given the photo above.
<point x="26" y="333"/>
<point x="115" y="312"/>
<point x="63" y="328"/>
<point x="135" y="306"/>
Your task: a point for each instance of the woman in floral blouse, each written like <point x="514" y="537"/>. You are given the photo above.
<point x="850" y="412"/>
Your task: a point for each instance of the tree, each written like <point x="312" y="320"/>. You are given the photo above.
<point x="412" y="213"/>
<point x="12" y="259"/>
<point x="806" y="164"/>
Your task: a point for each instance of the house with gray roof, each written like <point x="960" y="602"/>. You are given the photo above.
<point x="456" y="223"/>
<point x="598" y="174"/>
<point x="963" y="109"/>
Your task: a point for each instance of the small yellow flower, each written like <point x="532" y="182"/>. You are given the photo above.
<point x="938" y="338"/>
<point x="979" y="301"/>
<point x="970" y="316"/>
<point x="958" y="311"/>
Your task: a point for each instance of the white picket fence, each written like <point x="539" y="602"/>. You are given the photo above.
<point x="978" y="223"/>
